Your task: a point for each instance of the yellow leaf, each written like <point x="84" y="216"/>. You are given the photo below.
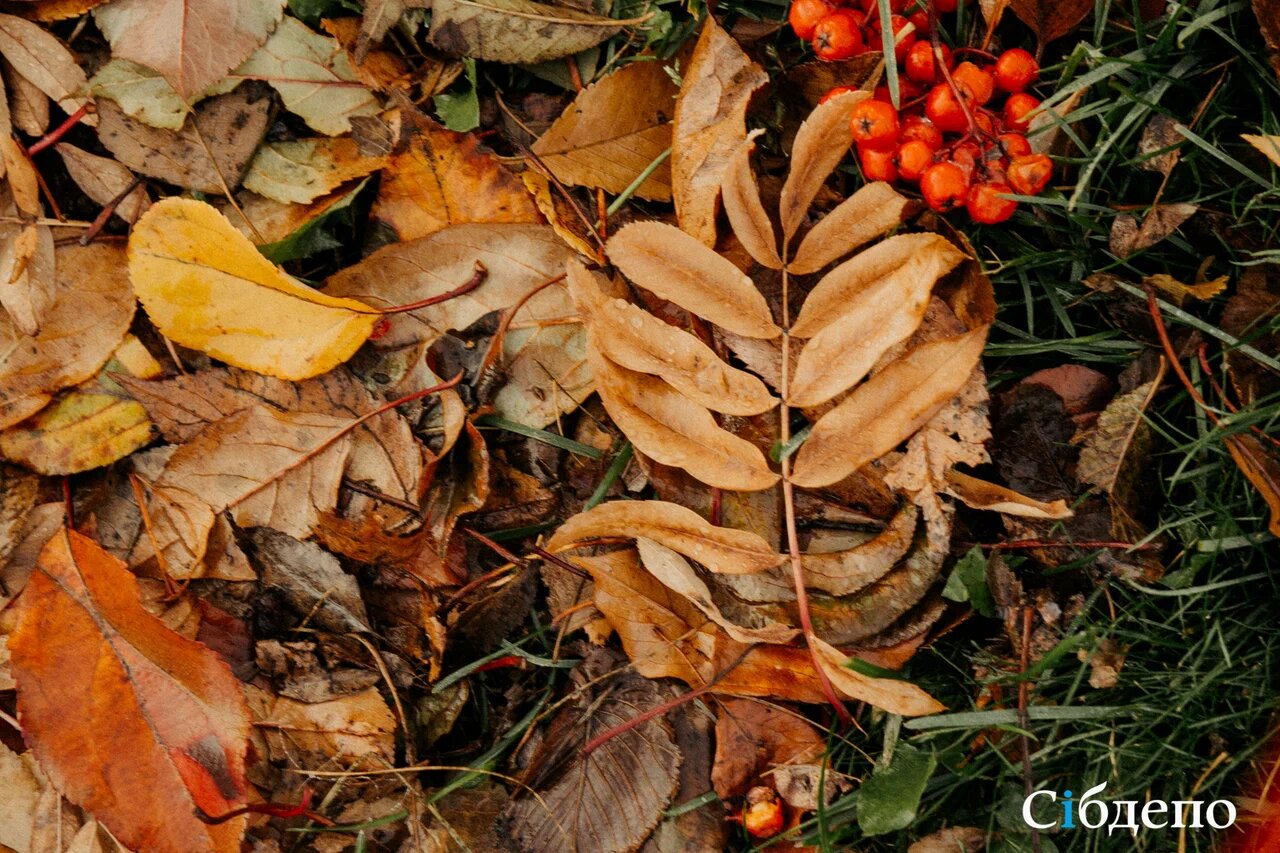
<point x="204" y="285"/>
<point x="79" y="432"/>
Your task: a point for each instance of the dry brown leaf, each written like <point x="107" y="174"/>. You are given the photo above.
<point x="1128" y="237"/>
<point x="273" y="469"/>
<point x="82" y="430"/>
<point x="819" y="146"/>
<point x="980" y="494"/>
<point x="1160" y="135"/>
<point x="103" y="179"/>
<point x="710" y="126"/>
<point x="382" y="70"/>
<point x="232" y="125"/>
<point x="635" y="339"/>
<point x="887" y="409"/>
<point x="871" y="211"/>
<point x="956" y="839"/>
<point x="310" y="579"/>
<point x="861" y="309"/>
<point x="613" y="130"/>
<point x="90" y="314"/>
<point x="1178" y="291"/>
<point x="445" y="178"/>
<point x="193" y="43"/>
<point x="675" y="266"/>
<point x="746" y="213"/>
<point x="321" y="734"/>
<point x="45" y="62"/>
<point x="1051" y="19"/>
<point x="1116" y="448"/>
<point x="300" y="171"/>
<point x="28" y="107"/>
<point x="59" y="10"/>
<point x="518" y="259"/>
<point x="753" y="738"/>
<point x="850" y="570"/>
<point x="166" y="711"/>
<point x="18" y="492"/>
<point x="21" y="784"/>
<point x="28" y="281"/>
<point x="720" y="549"/>
<point x="1259" y="464"/>
<point x="666" y="426"/>
<point x="1269" y="146"/>
<point x="517" y="31"/>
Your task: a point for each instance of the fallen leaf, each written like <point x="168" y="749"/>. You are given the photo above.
<point x="45" y="62"/>
<point x="311" y="580"/>
<point x="613" y="130"/>
<point x="1161" y="143"/>
<point x="886" y="409"/>
<point x="956" y="839"/>
<point x="1051" y="19"/>
<point x="90" y="314"/>
<point x="546" y="373"/>
<point x="517" y="31"/>
<point x="754" y="738"/>
<point x="747" y="216"/>
<point x="979" y="494"/>
<point x="142" y="93"/>
<point x="81" y="431"/>
<point x="846" y="571"/>
<point x="271" y="468"/>
<point x="818" y="147"/>
<point x="28" y="281"/>
<point x="1268" y="145"/>
<point x="301" y="171"/>
<point x="1083" y="390"/>
<point x="313" y="76"/>
<point x="1105" y="662"/>
<point x="382" y="70"/>
<point x="871" y="211"/>
<point x="709" y="126"/>
<point x="170" y="709"/>
<point x="517" y="259"/>
<point x="18" y="492"/>
<point x="321" y="734"/>
<point x="1269" y="23"/>
<point x="21" y="783"/>
<point x="59" y="10"/>
<point x="204" y="285"/>
<point x="1178" y="291"/>
<point x="1262" y="469"/>
<point x="1128" y="237"/>
<point x="193" y="43"/>
<point x="1116" y="449"/>
<point x="671" y="429"/>
<point x="615" y="795"/>
<point x="445" y="178"/>
<point x="232" y="125"/>
<point x="103" y="179"/>
<point x="889" y="799"/>
<point x="720" y="549"/>
<point x="675" y="266"/>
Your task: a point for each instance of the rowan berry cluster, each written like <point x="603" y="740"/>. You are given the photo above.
<point x="951" y="136"/>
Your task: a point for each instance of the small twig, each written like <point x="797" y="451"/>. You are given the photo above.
<point x="68" y="507"/>
<point x="12" y="721"/>
<point x="51" y="138"/>
<point x="104" y="216"/>
<point x="473" y="585"/>
<point x="477" y="279"/>
<point x="281" y="810"/>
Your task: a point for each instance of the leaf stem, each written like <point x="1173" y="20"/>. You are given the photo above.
<point x="51" y="138"/>
<point x="477" y="279"/>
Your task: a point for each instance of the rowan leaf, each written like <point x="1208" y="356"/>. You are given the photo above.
<point x="861" y="309"/>
<point x="301" y="171"/>
<point x="167" y="716"/>
<point x="204" y="285"/>
<point x="675" y="266"/>
<point x="710" y="125"/>
<point x="872" y="210"/>
<point x="886" y="409"/>
<point x="141" y="93"/>
<point x="517" y="31"/>
<point x="635" y="339"/>
<point x="1260" y="466"/>
<point x="193" y="43"/>
<point x="979" y="494"/>
<point x="668" y="427"/>
<point x="819" y="146"/>
<point x="612" y="131"/>
<point x="746" y="213"/>
<point x="28" y="280"/>
<point x="720" y="549"/>
<point x="851" y="570"/>
<point x="103" y="179"/>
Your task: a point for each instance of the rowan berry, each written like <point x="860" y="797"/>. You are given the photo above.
<point x="1015" y="144"/>
<point x="920" y="64"/>
<point x="837" y="36"/>
<point x="804" y="16"/>
<point x="986" y="205"/>
<point x="945" y="7"/>
<point x="1030" y="173"/>
<point x="919" y="127"/>
<point x="975" y="82"/>
<point x="1016" y="110"/>
<point x="877" y="163"/>
<point x="838" y="90"/>
<point x="944" y="110"/>
<point x="967" y="156"/>
<point x="914" y="156"/>
<point x="874" y="124"/>
<point x="1016" y="69"/>
<point x="762" y="815"/>
<point x="944" y="186"/>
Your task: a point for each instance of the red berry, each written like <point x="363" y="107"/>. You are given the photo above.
<point x="838" y="90"/>
<point x="804" y="16"/>
<point x="837" y="36"/>
<point x="902" y="43"/>
<point x="985" y="204"/>
<point x="1015" y="144"/>
<point x="921" y="20"/>
<point x="1016" y="70"/>
<point x="919" y="127"/>
<point x="877" y="163"/>
<point x="944" y="110"/>
<point x="874" y="124"/>
<point x="978" y="84"/>
<point x="1030" y="173"/>
<point x="920" y="65"/>
<point x="985" y="120"/>
<point x="944" y="186"/>
<point x="914" y="156"/>
<point x="945" y="7"/>
<point x="1016" y="110"/>
<point x="762" y="815"/>
<point x="967" y="156"/>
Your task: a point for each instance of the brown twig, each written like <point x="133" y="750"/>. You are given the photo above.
<point x="382" y="497"/>
<point x="104" y="216"/>
<point x="51" y="138"/>
<point x="477" y="279"/>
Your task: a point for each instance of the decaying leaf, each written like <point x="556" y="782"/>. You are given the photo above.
<point x="28" y="282"/>
<point x="166" y="712"/>
<point x="613" y="130"/>
<point x="753" y="739"/>
<point x="1268" y="145"/>
<point x="45" y="62"/>
<point x="710" y="126"/>
<point x="340" y="731"/>
<point x="301" y="171"/>
<point x="1128" y="237"/>
<point x="103" y="180"/>
<point x="980" y="494"/>
<point x="204" y="285"/>
<point x="1116" y="448"/>
<point x="517" y="31"/>
<point x="1051" y="19"/>
<point x="1259" y="464"/>
<point x="311" y="579"/>
<point x="956" y="839"/>
<point x="741" y="197"/>
<point x="78" y="432"/>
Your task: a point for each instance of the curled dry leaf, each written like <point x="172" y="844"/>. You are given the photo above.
<point x="103" y="179"/>
<point x="720" y="549"/>
<point x="1259" y="464"/>
<point x="1051" y="19"/>
<point x="887" y="408"/>
<point x="193" y="43"/>
<point x="979" y="494"/>
<point x="518" y="259"/>
<point x="675" y="266"/>
<point x="45" y="62"/>
<point x="635" y="339"/>
<point x="28" y="281"/>
<point x="851" y="570"/>
<point x="301" y="171"/>
<point x="668" y="427"/>
<point x="710" y="125"/>
<point x="90" y="314"/>
<point x="1128" y="237"/>
<point x="314" y="734"/>
<point x="746" y="214"/>
<point x="1116" y="449"/>
<point x="613" y="130"/>
<point x="872" y="210"/>
<point x="311" y="579"/>
<point x="204" y="285"/>
<point x="166" y="714"/>
<point x="820" y="144"/>
<point x="861" y="309"/>
<point x="517" y="31"/>
<point x="753" y="738"/>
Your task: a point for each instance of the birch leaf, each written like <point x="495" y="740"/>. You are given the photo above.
<point x="746" y="214"/>
<point x="871" y="211"/>
<point x="721" y="549"/>
<point x="516" y="31"/>
<point x="103" y="179"/>
<point x="886" y="409"/>
<point x="205" y="286"/>
<point x="675" y="266"/>
<point x="301" y="171"/>
<point x="820" y="144"/>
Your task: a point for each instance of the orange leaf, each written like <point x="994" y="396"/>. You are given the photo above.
<point x="160" y="726"/>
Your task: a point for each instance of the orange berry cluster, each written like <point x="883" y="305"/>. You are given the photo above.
<point x="950" y="137"/>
